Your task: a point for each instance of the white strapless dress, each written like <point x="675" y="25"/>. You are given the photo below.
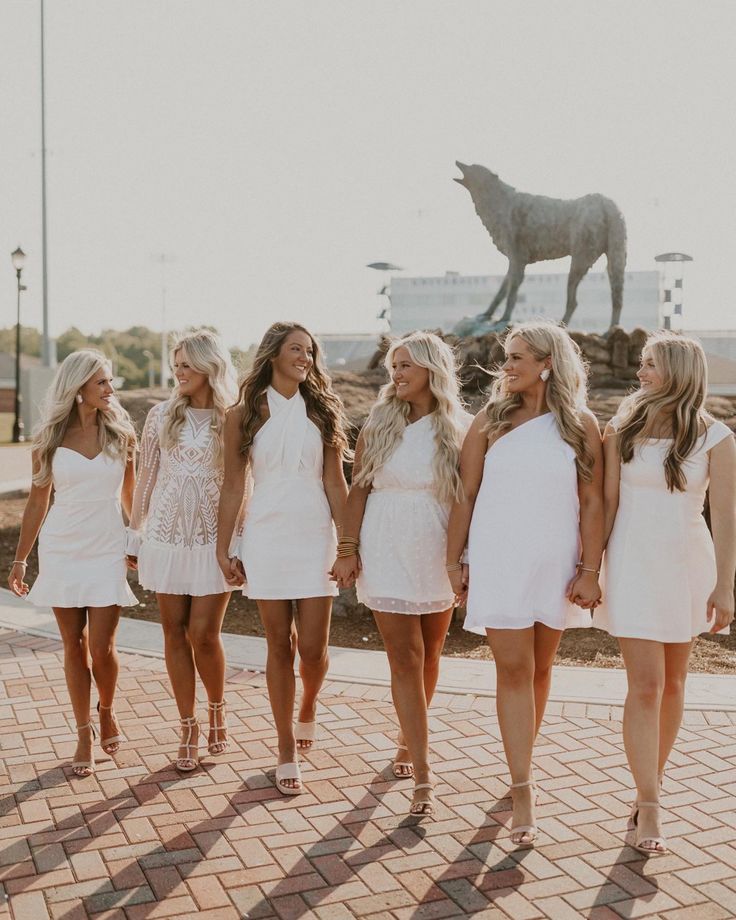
<point x="81" y="546"/>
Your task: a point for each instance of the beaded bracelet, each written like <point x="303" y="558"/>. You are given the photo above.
<point x="20" y="562"/>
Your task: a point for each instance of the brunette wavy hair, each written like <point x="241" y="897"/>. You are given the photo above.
<point x="324" y="406"/>
<point x="678" y="403"/>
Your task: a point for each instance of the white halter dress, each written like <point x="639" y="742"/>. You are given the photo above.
<point x="659" y="568"/>
<point x="524" y="538"/>
<point x="289" y="543"/>
<point x="81" y="546"/>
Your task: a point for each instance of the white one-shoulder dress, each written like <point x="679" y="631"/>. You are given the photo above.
<point x="659" y="567"/>
<point x="81" y="546"/>
<point x="524" y="540"/>
<point x="289" y="541"/>
<point x="403" y="538"/>
<point x="173" y="528"/>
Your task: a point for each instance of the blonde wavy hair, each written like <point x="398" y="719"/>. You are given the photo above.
<point x="206" y="354"/>
<point x="115" y="432"/>
<point x="324" y="406"/>
<point x="678" y="403"/>
<point x="567" y="389"/>
<point x="390" y="415"/>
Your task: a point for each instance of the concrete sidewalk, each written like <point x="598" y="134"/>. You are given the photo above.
<point x="463" y="676"/>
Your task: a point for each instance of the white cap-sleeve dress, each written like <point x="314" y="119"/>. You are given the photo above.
<point x="524" y="540"/>
<point x="81" y="546"/>
<point x="659" y="568"/>
<point x="403" y="538"/>
<point x="289" y="543"/>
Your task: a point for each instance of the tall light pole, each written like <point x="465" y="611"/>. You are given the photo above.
<point x="164" y="259"/>
<point x="149" y="354"/>
<point x="49" y="359"/>
<point x="18" y="257"/>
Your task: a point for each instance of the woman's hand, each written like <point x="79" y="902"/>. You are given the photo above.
<point x="720" y="608"/>
<point x="16" y="580"/>
<point x="345" y="570"/>
<point x="232" y="570"/>
<point x="584" y="590"/>
<point x="459" y="580"/>
<point x="132" y="562"/>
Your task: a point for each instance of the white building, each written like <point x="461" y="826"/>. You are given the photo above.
<point x="440" y="302"/>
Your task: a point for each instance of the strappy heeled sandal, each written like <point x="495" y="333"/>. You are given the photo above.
<point x="407" y="765"/>
<point x="658" y="845"/>
<point x="306" y="732"/>
<point x="286" y="771"/>
<point x="531" y="831"/>
<point x="188" y="763"/>
<point x="110" y="745"/>
<point x="219" y="745"/>
<point x="84" y="768"/>
<point x="425" y="808"/>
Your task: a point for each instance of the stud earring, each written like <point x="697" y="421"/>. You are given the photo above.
<point x="545" y="374"/>
<point x="79" y="399"/>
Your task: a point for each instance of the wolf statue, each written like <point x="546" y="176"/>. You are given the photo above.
<point x="529" y="228"/>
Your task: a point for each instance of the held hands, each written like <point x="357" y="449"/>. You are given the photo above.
<point x="132" y="562"/>
<point x="345" y="570"/>
<point x="459" y="580"/>
<point x="584" y="590"/>
<point x="16" y="579"/>
<point x="232" y="570"/>
<point x="720" y="608"/>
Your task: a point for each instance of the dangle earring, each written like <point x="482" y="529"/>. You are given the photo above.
<point x="545" y="374"/>
<point x="79" y="399"/>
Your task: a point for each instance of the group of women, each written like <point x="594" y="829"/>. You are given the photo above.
<point x="508" y="513"/>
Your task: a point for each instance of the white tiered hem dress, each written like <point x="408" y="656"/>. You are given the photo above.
<point x="173" y="528"/>
<point x="81" y="546"/>
<point x="403" y="538"/>
<point x="659" y="567"/>
<point x="524" y="540"/>
<point x="289" y="541"/>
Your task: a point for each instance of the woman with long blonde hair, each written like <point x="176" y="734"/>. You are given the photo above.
<point x="173" y="531"/>
<point x="532" y="512"/>
<point x="394" y="542"/>
<point x="83" y="450"/>
<point x="664" y="581"/>
<point x="288" y="432"/>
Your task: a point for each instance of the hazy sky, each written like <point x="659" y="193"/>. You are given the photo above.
<point x="274" y="147"/>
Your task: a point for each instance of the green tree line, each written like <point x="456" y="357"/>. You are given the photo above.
<point x="124" y="348"/>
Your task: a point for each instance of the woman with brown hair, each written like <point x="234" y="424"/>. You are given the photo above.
<point x="288" y="432"/>
<point x="664" y="580"/>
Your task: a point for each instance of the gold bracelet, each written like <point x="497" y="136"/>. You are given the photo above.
<point x="585" y="569"/>
<point x="20" y="562"/>
<point x="453" y="566"/>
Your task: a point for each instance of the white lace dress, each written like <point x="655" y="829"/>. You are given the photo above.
<point x="403" y="538"/>
<point x="660" y="567"/>
<point x="173" y="528"/>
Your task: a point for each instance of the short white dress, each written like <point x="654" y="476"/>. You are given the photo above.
<point x="289" y="541"/>
<point x="403" y="538"/>
<point x="659" y="568"/>
<point x="81" y="546"/>
<point x="524" y="540"/>
<point x="173" y="528"/>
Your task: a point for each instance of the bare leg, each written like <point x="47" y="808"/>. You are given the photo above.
<point x="313" y="633"/>
<point x="404" y="642"/>
<point x="103" y="625"/>
<point x="174" y="610"/>
<point x="546" y="643"/>
<point x="205" y="634"/>
<point x="281" y="645"/>
<point x="645" y="672"/>
<point x="676" y="658"/>
<point x="513" y="653"/>
<point x="72" y="623"/>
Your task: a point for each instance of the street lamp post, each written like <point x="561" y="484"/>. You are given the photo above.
<point x="19" y="258"/>
<point x="151" y="357"/>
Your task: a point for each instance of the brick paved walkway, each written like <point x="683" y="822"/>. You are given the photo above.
<point x="138" y="841"/>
